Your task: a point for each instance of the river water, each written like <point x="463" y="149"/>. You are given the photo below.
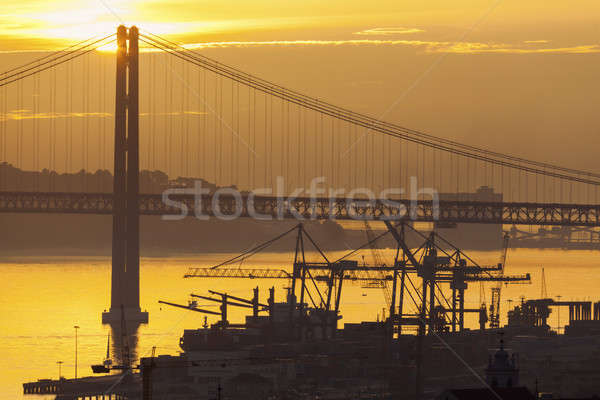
<point x="42" y="299"/>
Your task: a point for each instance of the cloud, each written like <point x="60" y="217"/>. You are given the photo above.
<point x="427" y="46"/>
<point x="536" y="41"/>
<point x="302" y="43"/>
<point x="483" y="48"/>
<point x="389" y="31"/>
<point x="24" y="114"/>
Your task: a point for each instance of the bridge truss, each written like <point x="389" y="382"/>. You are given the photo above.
<point x="307" y="208"/>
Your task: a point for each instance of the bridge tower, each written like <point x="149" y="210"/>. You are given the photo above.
<point x="125" y="274"/>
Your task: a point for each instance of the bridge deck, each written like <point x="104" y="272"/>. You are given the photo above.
<point x="307" y="208"/>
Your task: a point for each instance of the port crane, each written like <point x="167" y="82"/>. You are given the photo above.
<point x="438" y="262"/>
<point x="436" y="265"/>
<point x="225" y="300"/>
<point x="497" y="290"/>
<point x="305" y="275"/>
<point x="377" y="260"/>
<point x="429" y="261"/>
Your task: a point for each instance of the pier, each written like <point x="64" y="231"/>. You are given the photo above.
<point x="109" y="387"/>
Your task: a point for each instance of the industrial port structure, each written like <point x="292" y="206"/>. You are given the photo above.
<point x="310" y="313"/>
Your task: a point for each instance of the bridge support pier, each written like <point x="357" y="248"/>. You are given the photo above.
<point x="125" y="274"/>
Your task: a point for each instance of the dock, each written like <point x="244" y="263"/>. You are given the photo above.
<point x="109" y="387"/>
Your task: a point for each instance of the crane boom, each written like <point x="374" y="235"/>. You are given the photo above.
<point x="189" y="308"/>
<point x="321" y="273"/>
<point x="250" y="273"/>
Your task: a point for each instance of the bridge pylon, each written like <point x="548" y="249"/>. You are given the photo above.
<point x="125" y="273"/>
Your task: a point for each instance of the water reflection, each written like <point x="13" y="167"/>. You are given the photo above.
<point x="36" y="334"/>
<point x="124" y="347"/>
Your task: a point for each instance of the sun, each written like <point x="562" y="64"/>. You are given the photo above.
<point x="68" y="21"/>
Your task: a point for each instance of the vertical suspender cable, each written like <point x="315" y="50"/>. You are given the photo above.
<point x="3" y="172"/>
<point x="204" y="132"/>
<point x="281" y="140"/>
<point x="302" y="133"/>
<point x="424" y="169"/>
<point x="433" y="169"/>
<point x="253" y="155"/>
<point x="35" y="135"/>
<point x="371" y="163"/>
<point x="266" y="141"/>
<point x="231" y="154"/>
<point x="53" y="168"/>
<point x="493" y="182"/>
<point x="249" y="172"/>
<point x="390" y="163"/>
<point x="441" y="172"/>
<point x="201" y="151"/>
<point x="86" y="117"/>
<point x="352" y="158"/>
<point x="289" y="141"/>
<point x="332" y="162"/>
<point x="169" y="121"/>
<point x="69" y="112"/>
<point x="298" y="149"/>
<point x="103" y="109"/>
<point x="99" y="119"/>
<point x="322" y="147"/>
<point x="3" y="122"/>
<point x="502" y="181"/>
<point x="220" y="131"/>
<point x="153" y="96"/>
<point x="271" y="139"/>
<point x="237" y="129"/>
<point x="184" y="155"/>
<point x="20" y="133"/>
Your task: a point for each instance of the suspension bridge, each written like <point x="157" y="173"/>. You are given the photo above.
<point x="173" y="112"/>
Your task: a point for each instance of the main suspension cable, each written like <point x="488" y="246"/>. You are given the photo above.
<point x="52" y="63"/>
<point x="228" y="70"/>
<point x="375" y="125"/>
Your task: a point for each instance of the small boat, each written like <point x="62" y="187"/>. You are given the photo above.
<point x="106" y="364"/>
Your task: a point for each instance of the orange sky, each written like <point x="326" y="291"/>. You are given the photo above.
<point x="507" y="26"/>
<point x="519" y="77"/>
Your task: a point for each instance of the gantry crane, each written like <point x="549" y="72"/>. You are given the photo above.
<point x="325" y="305"/>
<point x="497" y="290"/>
<point x="377" y="261"/>
<point x="305" y="274"/>
<point x="435" y="266"/>
<point x="430" y="262"/>
<point x="226" y="300"/>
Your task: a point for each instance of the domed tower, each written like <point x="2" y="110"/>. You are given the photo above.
<point x="502" y="371"/>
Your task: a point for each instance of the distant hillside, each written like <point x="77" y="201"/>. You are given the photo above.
<point x="67" y="234"/>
